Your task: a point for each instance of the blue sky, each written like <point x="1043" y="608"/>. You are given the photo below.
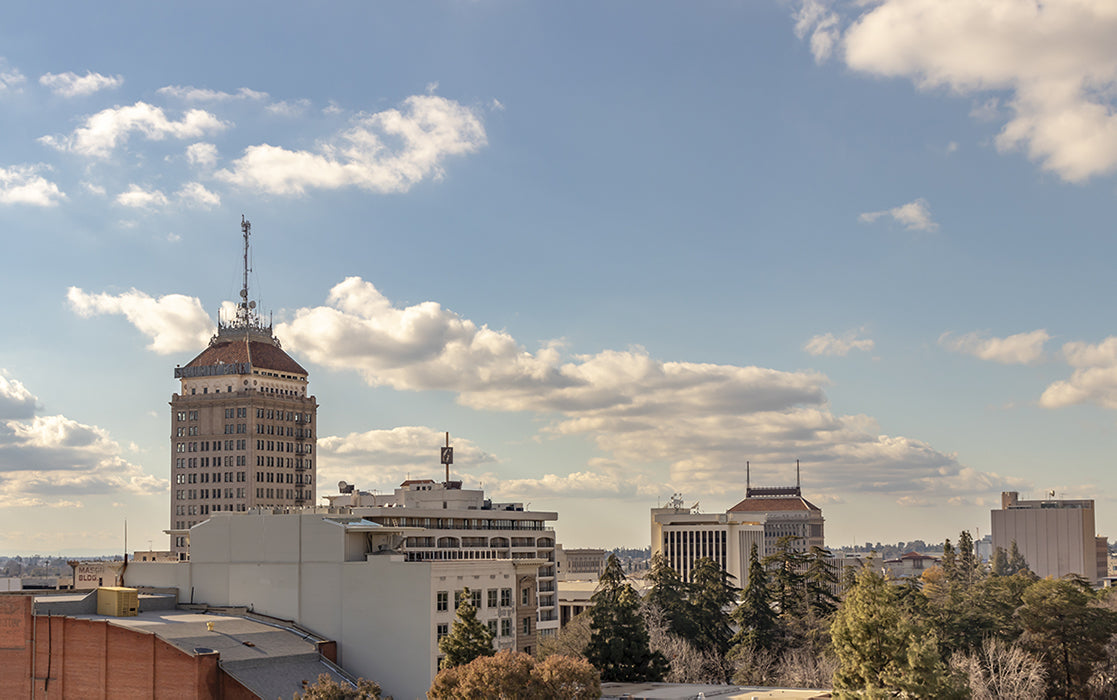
<point x="616" y="249"/>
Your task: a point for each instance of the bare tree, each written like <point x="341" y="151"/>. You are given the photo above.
<point x="1000" y="671"/>
<point x="686" y="663"/>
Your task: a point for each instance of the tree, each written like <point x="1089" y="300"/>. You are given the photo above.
<point x="881" y="651"/>
<point x="758" y="627"/>
<point x="1016" y="562"/>
<point x="326" y="688"/>
<point x="712" y="595"/>
<point x="1000" y="562"/>
<point x="787" y="580"/>
<point x="668" y="593"/>
<point x="1064" y="624"/>
<point x="967" y="570"/>
<point x="512" y="675"/>
<point x="618" y="645"/>
<point x="1000" y="671"/>
<point x="949" y="561"/>
<point x="571" y="640"/>
<point x="468" y="638"/>
<point x="820" y="581"/>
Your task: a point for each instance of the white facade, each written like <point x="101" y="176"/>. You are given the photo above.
<point x="455" y="524"/>
<point x="347" y="579"/>
<point x="683" y="537"/>
<point x="1055" y="536"/>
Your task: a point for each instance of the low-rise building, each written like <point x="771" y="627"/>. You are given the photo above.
<point x="579" y="564"/>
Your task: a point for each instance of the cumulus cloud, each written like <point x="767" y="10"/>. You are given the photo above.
<point x="15" y="400"/>
<point x="101" y="133"/>
<point x="1057" y="62"/>
<point x="22" y="184"/>
<point x="51" y="460"/>
<point x="697" y="421"/>
<point x="388" y="151"/>
<point x="174" y="323"/>
<point x="1094" y="380"/>
<point x="832" y="345"/>
<point x="203" y="154"/>
<point x="189" y="93"/>
<point x="914" y="216"/>
<point x="289" y="108"/>
<point x="74" y="85"/>
<point x="1019" y="349"/>
<point x="10" y="78"/>
<point x="196" y="195"/>
<point x="138" y="198"/>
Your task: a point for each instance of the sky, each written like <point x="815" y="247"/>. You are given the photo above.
<point x="616" y="249"/>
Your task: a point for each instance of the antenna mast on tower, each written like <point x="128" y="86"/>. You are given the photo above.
<point x="243" y="312"/>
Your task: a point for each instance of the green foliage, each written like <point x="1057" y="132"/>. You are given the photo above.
<point x="968" y="570"/>
<point x="1000" y="562"/>
<point x="468" y="638"/>
<point x="820" y="581"/>
<point x="882" y="652"/>
<point x="326" y="688"/>
<point x="618" y="644"/>
<point x="1064" y="624"/>
<point x="755" y="618"/>
<point x="785" y="565"/>
<point x="712" y="594"/>
<point x="669" y="594"/>
<point x="1016" y="562"/>
<point x="512" y="675"/>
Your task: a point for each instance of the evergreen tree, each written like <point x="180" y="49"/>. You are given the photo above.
<point x="967" y="561"/>
<point x="785" y="565"/>
<point x="669" y="594"/>
<point x="468" y="638"/>
<point x="949" y="561"/>
<point x="712" y="596"/>
<point x="618" y="645"/>
<point x="1016" y="562"/>
<point x="820" y="581"/>
<point x="1000" y="562"/>
<point x="1063" y="623"/>
<point x="755" y="617"/>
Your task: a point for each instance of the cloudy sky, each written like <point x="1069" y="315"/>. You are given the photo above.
<point x="616" y="249"/>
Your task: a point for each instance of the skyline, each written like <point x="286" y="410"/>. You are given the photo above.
<point x="616" y="251"/>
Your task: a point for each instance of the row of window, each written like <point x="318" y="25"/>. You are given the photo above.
<point x="269" y="429"/>
<point x="279" y="446"/>
<point x="204" y="477"/>
<point x="442" y="598"/>
<point x="262" y="461"/>
<point x="192" y="494"/>
<point x="182" y="415"/>
<point x="206" y="445"/>
<point x="204" y="509"/>
<point x="278" y="493"/>
<point x="192" y="462"/>
<point x="262" y="477"/>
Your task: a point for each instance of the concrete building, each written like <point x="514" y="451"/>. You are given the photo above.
<point x="1055" y="536"/>
<point x="784" y="512"/>
<point x="579" y="564"/>
<point x="450" y="523"/>
<point x="684" y="535"/>
<point x="242" y="425"/>
<point x="351" y="579"/>
<point x="910" y="565"/>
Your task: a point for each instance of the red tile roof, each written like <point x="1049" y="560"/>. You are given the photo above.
<point x="262" y="356"/>
<point x="760" y="505"/>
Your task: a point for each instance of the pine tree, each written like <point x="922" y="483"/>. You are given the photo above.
<point x="785" y="564"/>
<point x="468" y="638"/>
<point x="1000" y="562"/>
<point x="1016" y="562"/>
<point x="949" y="562"/>
<point x="618" y="645"/>
<point x="755" y="617"/>
<point x="967" y="561"/>
<point x="669" y="594"/>
<point x="820" y="581"/>
<point x="712" y="595"/>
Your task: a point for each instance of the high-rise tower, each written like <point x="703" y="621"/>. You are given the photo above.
<point x="242" y="425"/>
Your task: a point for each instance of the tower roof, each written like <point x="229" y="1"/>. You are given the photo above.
<point x="760" y="504"/>
<point x="257" y="354"/>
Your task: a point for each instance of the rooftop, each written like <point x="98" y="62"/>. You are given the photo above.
<point x="755" y="504"/>
<point x="257" y="353"/>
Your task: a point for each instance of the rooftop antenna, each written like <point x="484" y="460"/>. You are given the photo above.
<point x="797" y="484"/>
<point x="447" y="456"/>
<point x="748" y="483"/>
<point x="243" y="312"/>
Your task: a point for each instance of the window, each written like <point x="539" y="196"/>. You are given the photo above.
<point x="229" y="428"/>
<point x="526" y="626"/>
<point x="525" y="596"/>
<point x="492" y="627"/>
<point x="181" y="432"/>
<point x="443" y="630"/>
<point x="242" y="413"/>
<point x="228" y="413"/>
<point x="505" y="628"/>
<point x="181" y="415"/>
<point x="443" y="601"/>
<point x="505" y="597"/>
<point x="492" y="597"/>
<point x="476" y="599"/>
<point x="259" y="413"/>
<point x="180" y="447"/>
<point x="457" y="599"/>
<point x="193" y="415"/>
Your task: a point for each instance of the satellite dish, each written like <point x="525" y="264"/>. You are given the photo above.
<point x="252" y="305"/>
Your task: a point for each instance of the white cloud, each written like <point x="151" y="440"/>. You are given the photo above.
<point x="50" y="460"/>
<point x="1019" y="349"/>
<point x="815" y="18"/>
<point x="15" y="400"/>
<point x="1094" y="379"/>
<point x="109" y="128"/>
<point x="21" y="184"/>
<point x="1057" y="61"/>
<point x="138" y="198"/>
<point x="195" y="194"/>
<point x="175" y="323"/>
<point x="914" y="216"/>
<point x="699" y="422"/>
<point x="384" y="152"/>
<point x="830" y="344"/>
<point x="203" y="154"/>
<point x="291" y="108"/>
<point x="74" y="85"/>
<point x="188" y="93"/>
<point x="10" y="78"/>
<point x="332" y="108"/>
<point x="94" y="188"/>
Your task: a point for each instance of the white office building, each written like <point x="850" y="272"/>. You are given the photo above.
<point x="1055" y="536"/>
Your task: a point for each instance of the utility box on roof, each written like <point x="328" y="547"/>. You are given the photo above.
<point x="115" y="601"/>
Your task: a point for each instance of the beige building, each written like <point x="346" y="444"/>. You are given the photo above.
<point x="579" y="564"/>
<point x="348" y="578"/>
<point x="784" y="512"/>
<point x="684" y="535"/>
<point x="1055" y="536"/>
<point x="242" y="425"/>
<point x="449" y="523"/>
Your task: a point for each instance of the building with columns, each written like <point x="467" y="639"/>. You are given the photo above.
<point x="243" y="425"/>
